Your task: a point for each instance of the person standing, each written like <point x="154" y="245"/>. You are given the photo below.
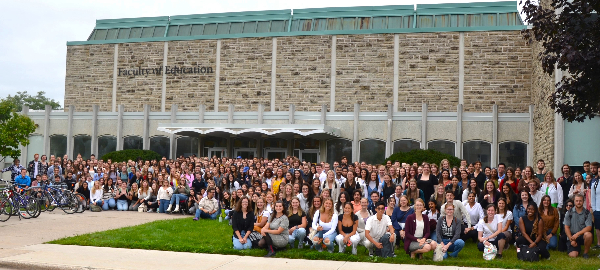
<point x="34" y="167"/>
<point x="15" y="169"/>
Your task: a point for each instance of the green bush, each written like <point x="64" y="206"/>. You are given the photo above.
<point x="420" y="155"/>
<point x="133" y="154"/>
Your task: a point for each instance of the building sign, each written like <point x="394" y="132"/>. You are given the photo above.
<point x="167" y="70"/>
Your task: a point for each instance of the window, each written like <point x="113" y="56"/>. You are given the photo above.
<point x="160" y="145"/>
<point x="187" y="146"/>
<point x="446" y="147"/>
<point x="372" y="151"/>
<point x="106" y="144"/>
<point x="275" y="143"/>
<point x="337" y="148"/>
<point x="133" y="142"/>
<point x="513" y="154"/>
<point x="36" y="146"/>
<point x="477" y="151"/>
<point x="58" y="145"/>
<point x="406" y="145"/>
<point x="82" y="144"/>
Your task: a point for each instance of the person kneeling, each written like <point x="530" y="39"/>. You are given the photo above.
<point x="578" y="228"/>
<point x="379" y="233"/>
<point x="276" y="231"/>
<point x="208" y="206"/>
<point x="347" y="226"/>
<point x="448" y="231"/>
<point x="490" y="231"/>
<point x="242" y="224"/>
<point x="417" y="232"/>
<point x="532" y="230"/>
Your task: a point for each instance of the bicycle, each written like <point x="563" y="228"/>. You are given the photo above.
<point x="55" y="196"/>
<point x="18" y="201"/>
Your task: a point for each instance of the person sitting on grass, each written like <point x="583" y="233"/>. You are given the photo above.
<point x="379" y="232"/>
<point x="242" y="223"/>
<point x="122" y="197"/>
<point x="448" y="233"/>
<point x="550" y="215"/>
<point x="578" y="228"/>
<point x="347" y="227"/>
<point x="416" y="232"/>
<point x="261" y="214"/>
<point x="152" y="199"/>
<point x="490" y="231"/>
<point x="108" y="195"/>
<point x="96" y="194"/>
<point x="164" y="196"/>
<point x="363" y="215"/>
<point x="275" y="233"/>
<point x="208" y="206"/>
<point x="532" y="231"/>
<point x="180" y="193"/>
<point x="325" y="222"/>
<point x="297" y="219"/>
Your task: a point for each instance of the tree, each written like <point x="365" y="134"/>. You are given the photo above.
<point x="37" y="102"/>
<point x="14" y="129"/>
<point x="570" y="40"/>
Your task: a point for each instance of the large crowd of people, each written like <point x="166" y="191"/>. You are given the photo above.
<point x="274" y="204"/>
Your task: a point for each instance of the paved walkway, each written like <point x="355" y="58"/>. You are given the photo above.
<point x="21" y="247"/>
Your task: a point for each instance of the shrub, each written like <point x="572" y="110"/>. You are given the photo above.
<point x="133" y="154"/>
<point x="420" y="155"/>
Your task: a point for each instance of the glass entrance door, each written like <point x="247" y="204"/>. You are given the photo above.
<point x="217" y="151"/>
<point x="245" y="152"/>
<point x="273" y="153"/>
<point x="312" y="156"/>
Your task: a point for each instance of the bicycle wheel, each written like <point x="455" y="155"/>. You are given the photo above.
<point x="22" y="209"/>
<point x="81" y="203"/>
<point x="5" y="209"/>
<point x="68" y="203"/>
<point x="47" y="203"/>
<point x="33" y="207"/>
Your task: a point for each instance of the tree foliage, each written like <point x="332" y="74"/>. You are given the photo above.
<point x="420" y="155"/>
<point x="37" y="102"/>
<point x="131" y="154"/>
<point x="14" y="130"/>
<point x="570" y="39"/>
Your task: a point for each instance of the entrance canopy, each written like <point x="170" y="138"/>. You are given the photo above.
<point x="313" y="131"/>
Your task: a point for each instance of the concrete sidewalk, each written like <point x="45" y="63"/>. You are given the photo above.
<point x="21" y="247"/>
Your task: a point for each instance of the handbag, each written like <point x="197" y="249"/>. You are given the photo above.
<point x="525" y="253"/>
<point x="142" y="208"/>
<point x="489" y="252"/>
<point x="438" y="255"/>
<point x="95" y="208"/>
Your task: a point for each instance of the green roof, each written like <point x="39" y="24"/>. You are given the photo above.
<point x="458" y="17"/>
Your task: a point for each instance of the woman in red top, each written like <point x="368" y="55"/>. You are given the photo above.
<point x="511" y="179"/>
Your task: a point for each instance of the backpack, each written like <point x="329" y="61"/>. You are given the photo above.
<point x="525" y="253"/>
<point x="387" y="250"/>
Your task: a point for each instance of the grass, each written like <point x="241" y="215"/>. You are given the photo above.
<point x="206" y="236"/>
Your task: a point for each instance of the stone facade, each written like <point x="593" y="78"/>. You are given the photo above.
<point x="543" y="115"/>
<point x="303" y="72"/>
<point x="364" y="72"/>
<point x="189" y="90"/>
<point x="497" y="70"/>
<point x="428" y="71"/>
<point x="135" y="91"/>
<point x="89" y="76"/>
<point x="245" y="73"/>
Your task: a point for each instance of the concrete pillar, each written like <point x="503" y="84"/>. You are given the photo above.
<point x="494" y="159"/>
<point x="172" y="139"/>
<point x="115" y="75"/>
<point x="333" y="74"/>
<point x="217" y="74"/>
<point x="163" y="96"/>
<point x="292" y="111"/>
<point x="70" y="131"/>
<point x="461" y="68"/>
<point x="323" y="114"/>
<point x="531" y="143"/>
<point x="201" y="111"/>
<point x="94" y="150"/>
<point x="458" y="148"/>
<point x="424" y="126"/>
<point x="47" y="111"/>
<point x="120" y="128"/>
<point x="23" y="158"/>
<point x="146" y="130"/>
<point x="388" y="141"/>
<point x="261" y="111"/>
<point x="355" y="138"/>
<point x="273" y="73"/>
<point x="396" y="70"/>
<point x="230" y="114"/>
<point x="559" y="143"/>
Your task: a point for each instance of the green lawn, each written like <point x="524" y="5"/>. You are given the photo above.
<point x="206" y="236"/>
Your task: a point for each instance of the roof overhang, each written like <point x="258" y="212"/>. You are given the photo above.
<point x="315" y="131"/>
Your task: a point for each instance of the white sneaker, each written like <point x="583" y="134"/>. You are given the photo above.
<point x="169" y="208"/>
<point x="354" y="251"/>
<point x="149" y="211"/>
<point x="176" y="208"/>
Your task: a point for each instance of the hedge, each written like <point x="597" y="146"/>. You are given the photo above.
<point x="131" y="154"/>
<point x="420" y="155"/>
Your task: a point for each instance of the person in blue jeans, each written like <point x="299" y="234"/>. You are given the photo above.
<point x="122" y="197"/>
<point x="208" y="207"/>
<point x="551" y="222"/>
<point x="297" y="220"/>
<point x="448" y="232"/>
<point x="242" y="223"/>
<point x="165" y="192"/>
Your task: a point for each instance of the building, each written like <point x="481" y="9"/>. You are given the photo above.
<point x="361" y="82"/>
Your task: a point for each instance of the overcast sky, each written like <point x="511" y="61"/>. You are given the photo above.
<point x="34" y="33"/>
